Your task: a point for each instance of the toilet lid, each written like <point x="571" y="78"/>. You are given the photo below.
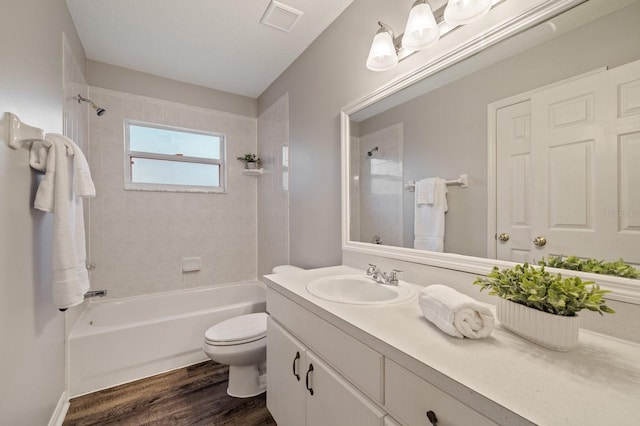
<point x="241" y="329"/>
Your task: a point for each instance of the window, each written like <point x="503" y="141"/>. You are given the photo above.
<point x="160" y="158"/>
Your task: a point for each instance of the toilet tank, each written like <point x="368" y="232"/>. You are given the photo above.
<point x="281" y="269"/>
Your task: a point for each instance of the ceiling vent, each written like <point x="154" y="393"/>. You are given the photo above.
<point x="280" y="16"/>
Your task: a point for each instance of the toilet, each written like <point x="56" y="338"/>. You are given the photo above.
<point x="241" y="343"/>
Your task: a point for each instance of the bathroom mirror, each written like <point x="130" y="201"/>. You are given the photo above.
<point x="441" y="121"/>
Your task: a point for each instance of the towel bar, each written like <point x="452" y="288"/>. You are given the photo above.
<point x="462" y="182"/>
<point x="19" y="133"/>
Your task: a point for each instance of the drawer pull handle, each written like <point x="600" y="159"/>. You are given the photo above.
<point x="310" y="389"/>
<point x="432" y="418"/>
<point x="294" y="366"/>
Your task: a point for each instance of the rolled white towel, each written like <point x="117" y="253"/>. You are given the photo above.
<point x="455" y="313"/>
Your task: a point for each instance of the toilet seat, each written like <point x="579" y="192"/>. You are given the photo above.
<point x="237" y="331"/>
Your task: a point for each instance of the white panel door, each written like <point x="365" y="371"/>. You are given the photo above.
<point x="586" y="188"/>
<point x="514" y="182"/>
<point x="333" y="401"/>
<point x="286" y="360"/>
<point x="622" y="213"/>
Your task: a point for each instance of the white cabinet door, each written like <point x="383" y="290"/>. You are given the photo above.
<point x="286" y="360"/>
<point x="332" y="401"/>
<point x="514" y="182"/>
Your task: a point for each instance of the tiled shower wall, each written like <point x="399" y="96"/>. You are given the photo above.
<point x="381" y="186"/>
<point x="138" y="238"/>
<point x="273" y="187"/>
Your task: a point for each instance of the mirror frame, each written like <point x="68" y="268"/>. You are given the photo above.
<point x="510" y="18"/>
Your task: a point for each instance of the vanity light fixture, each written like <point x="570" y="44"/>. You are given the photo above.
<point x="383" y="54"/>
<point x="460" y="12"/>
<point x="423" y="29"/>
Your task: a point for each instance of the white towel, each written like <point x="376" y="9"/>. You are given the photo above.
<point x="44" y="196"/>
<point x="56" y="194"/>
<point x="82" y="183"/>
<point x="456" y="314"/>
<point x="429" y="218"/>
<point x="38" y="155"/>
<point x="425" y="191"/>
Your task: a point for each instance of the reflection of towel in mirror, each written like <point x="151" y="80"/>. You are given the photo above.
<point x="56" y="194"/>
<point x="429" y="218"/>
<point x="425" y="190"/>
<point x="455" y="313"/>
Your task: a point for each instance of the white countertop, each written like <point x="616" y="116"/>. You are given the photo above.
<point x="596" y="383"/>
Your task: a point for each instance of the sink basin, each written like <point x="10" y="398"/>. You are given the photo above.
<point x="358" y="290"/>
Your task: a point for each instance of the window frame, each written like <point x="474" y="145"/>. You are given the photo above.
<point x="129" y="155"/>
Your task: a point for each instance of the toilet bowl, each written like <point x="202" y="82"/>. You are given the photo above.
<point x="241" y="343"/>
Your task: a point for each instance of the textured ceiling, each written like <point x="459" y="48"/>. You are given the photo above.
<point x="213" y="43"/>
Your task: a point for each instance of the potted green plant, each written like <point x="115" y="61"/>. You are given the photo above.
<point x="541" y="306"/>
<point x="618" y="268"/>
<point x="251" y="161"/>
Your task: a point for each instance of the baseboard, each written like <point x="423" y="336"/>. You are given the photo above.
<point x="61" y="410"/>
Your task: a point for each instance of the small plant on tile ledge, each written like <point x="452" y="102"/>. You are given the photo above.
<point x="541" y="306"/>
<point x="594" y="266"/>
<point x="251" y="161"/>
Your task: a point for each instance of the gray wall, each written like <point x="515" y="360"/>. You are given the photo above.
<point x="331" y="74"/>
<point x="445" y="130"/>
<point x="32" y="354"/>
<point x="121" y="79"/>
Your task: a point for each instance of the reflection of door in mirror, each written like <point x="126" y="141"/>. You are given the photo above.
<point x="514" y="180"/>
<point x="377" y="163"/>
<point x="570" y="181"/>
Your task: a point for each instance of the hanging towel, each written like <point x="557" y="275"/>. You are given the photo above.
<point x="456" y="314"/>
<point x="429" y="218"/>
<point x="82" y="183"/>
<point x="56" y="194"/>
<point x="425" y="191"/>
<point x="38" y="155"/>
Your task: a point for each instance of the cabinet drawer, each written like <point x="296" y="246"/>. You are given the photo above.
<point x="409" y="398"/>
<point x="353" y="359"/>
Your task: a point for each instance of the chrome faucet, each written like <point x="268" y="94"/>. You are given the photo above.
<point x="380" y="277"/>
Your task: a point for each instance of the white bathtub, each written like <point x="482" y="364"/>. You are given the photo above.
<point x="122" y="340"/>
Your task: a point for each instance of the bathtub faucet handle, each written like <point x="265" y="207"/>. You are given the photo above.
<point x="95" y="293"/>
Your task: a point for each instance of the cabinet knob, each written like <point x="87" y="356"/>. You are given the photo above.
<point x="432" y="418"/>
<point x="295" y="372"/>
<point x="309" y="388"/>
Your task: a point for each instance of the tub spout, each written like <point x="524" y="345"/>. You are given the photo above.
<point x="95" y="293"/>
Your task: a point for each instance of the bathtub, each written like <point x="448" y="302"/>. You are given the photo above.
<point x="117" y="341"/>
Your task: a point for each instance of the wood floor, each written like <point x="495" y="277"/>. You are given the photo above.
<point x="191" y="396"/>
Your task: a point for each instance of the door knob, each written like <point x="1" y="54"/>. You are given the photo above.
<point x="503" y="237"/>
<point x="540" y="241"/>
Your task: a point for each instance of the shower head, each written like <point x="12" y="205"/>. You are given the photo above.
<point x="370" y="153"/>
<point x="99" y="111"/>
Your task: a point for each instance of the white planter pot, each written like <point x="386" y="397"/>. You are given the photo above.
<point x="551" y="331"/>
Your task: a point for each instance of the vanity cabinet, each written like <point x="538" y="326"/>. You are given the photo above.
<point x="303" y="390"/>
<point x="320" y="375"/>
